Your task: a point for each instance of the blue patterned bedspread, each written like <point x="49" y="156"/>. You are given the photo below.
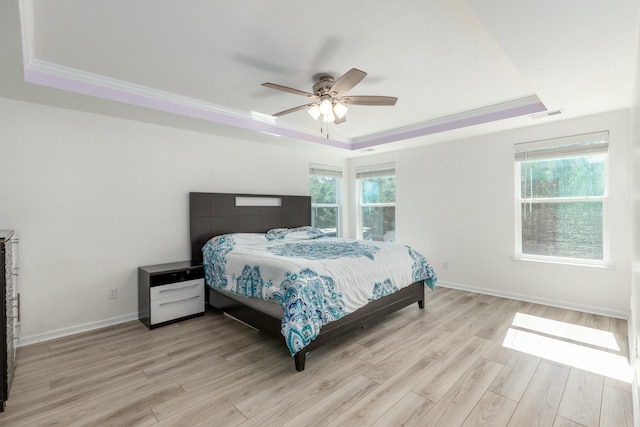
<point x="316" y="279"/>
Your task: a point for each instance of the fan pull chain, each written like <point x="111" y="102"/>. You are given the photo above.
<point x="322" y="131"/>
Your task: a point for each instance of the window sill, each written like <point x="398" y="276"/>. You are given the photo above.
<point x="564" y="263"/>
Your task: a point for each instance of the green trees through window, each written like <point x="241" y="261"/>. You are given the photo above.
<point x="325" y="203"/>
<point x="378" y="206"/>
<point x="562" y="207"/>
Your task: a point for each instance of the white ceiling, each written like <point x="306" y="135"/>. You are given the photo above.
<point x="457" y="67"/>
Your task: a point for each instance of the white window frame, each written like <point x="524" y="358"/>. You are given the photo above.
<point x="562" y="148"/>
<point x="386" y="169"/>
<point x="330" y="172"/>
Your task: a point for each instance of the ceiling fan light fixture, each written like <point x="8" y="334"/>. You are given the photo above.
<point x="339" y="110"/>
<point x="315" y="112"/>
<point x="329" y="98"/>
<point x="326" y="107"/>
<point x="327" y="118"/>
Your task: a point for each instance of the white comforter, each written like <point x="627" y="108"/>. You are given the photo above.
<point x="316" y="279"/>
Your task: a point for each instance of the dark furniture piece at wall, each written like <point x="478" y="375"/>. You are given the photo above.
<point x="10" y="311"/>
<point x="170" y="292"/>
<point x="213" y="214"/>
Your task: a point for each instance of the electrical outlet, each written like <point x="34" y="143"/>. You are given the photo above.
<point x="445" y="265"/>
<point x="113" y="293"/>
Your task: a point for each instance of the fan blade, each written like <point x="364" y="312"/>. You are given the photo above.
<point x="342" y="120"/>
<point x="347" y="81"/>
<point x="289" y="89"/>
<point x="369" y="100"/>
<point x="293" y="110"/>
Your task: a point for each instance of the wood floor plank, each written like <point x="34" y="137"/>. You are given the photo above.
<point x="487" y="299"/>
<point x="389" y="367"/>
<point x="304" y="390"/>
<point x="535" y="309"/>
<point x="575" y="317"/>
<point x="485" y="316"/>
<point x="617" y="372"/>
<point x="410" y="410"/>
<point x="554" y="313"/>
<point x="515" y="376"/>
<point x="224" y="391"/>
<point x="616" y="410"/>
<point x="492" y="410"/>
<point x="458" y="402"/>
<point x="204" y="413"/>
<point x="563" y="422"/>
<point x="116" y="369"/>
<point x="435" y="385"/>
<point x="597" y="321"/>
<point x="452" y="302"/>
<point x="618" y="326"/>
<point x="334" y="404"/>
<point x="459" y="361"/>
<point x="443" y="344"/>
<point x="539" y="404"/>
<point x="124" y="407"/>
<point x="498" y="351"/>
<point x="43" y="404"/>
<point x="411" y="335"/>
<point x="494" y="326"/>
<point x="116" y="398"/>
<point x="582" y="398"/>
<point x="383" y="398"/>
<point x="461" y="316"/>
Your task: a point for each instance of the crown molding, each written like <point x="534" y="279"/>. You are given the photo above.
<point x="57" y="76"/>
<point x="26" y="28"/>
<point x="505" y="110"/>
<point x="73" y="80"/>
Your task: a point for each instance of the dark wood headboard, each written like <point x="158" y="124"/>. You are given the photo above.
<point x="213" y="214"/>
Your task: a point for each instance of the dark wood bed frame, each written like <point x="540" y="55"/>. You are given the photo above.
<point x="213" y="214"/>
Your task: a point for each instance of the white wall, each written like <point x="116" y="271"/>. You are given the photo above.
<point x="634" y="322"/>
<point x="455" y="204"/>
<point x="93" y="197"/>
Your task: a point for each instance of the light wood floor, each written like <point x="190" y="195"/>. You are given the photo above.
<point x="466" y="360"/>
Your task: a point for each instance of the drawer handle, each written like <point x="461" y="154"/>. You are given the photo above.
<point x="179" y="289"/>
<point x="180" y="300"/>
<point x="16" y="304"/>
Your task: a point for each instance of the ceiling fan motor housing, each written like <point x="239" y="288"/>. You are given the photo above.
<point x="323" y="86"/>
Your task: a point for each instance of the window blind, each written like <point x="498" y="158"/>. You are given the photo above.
<point x="589" y="143"/>
<point x="374" y="171"/>
<point x="324" y="170"/>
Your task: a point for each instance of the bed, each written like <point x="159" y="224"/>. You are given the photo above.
<point x="222" y="224"/>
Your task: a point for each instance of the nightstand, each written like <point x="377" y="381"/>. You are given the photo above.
<point x="170" y="292"/>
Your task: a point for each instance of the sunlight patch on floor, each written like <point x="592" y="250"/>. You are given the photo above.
<point x="583" y="334"/>
<point x="577" y="346"/>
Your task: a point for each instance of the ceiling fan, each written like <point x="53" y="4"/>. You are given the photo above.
<point x="329" y="97"/>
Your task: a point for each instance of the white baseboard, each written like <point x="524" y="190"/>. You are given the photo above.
<point x="59" y="333"/>
<point x="529" y="298"/>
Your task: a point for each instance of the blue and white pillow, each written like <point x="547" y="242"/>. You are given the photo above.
<point x="306" y="232"/>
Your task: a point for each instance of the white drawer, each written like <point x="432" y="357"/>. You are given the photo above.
<point x="179" y="288"/>
<point x="177" y="306"/>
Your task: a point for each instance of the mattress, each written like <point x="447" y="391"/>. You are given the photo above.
<point x="314" y="279"/>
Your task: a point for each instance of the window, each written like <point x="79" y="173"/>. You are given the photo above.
<point x="325" y="187"/>
<point x="561" y="199"/>
<point x="376" y="189"/>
